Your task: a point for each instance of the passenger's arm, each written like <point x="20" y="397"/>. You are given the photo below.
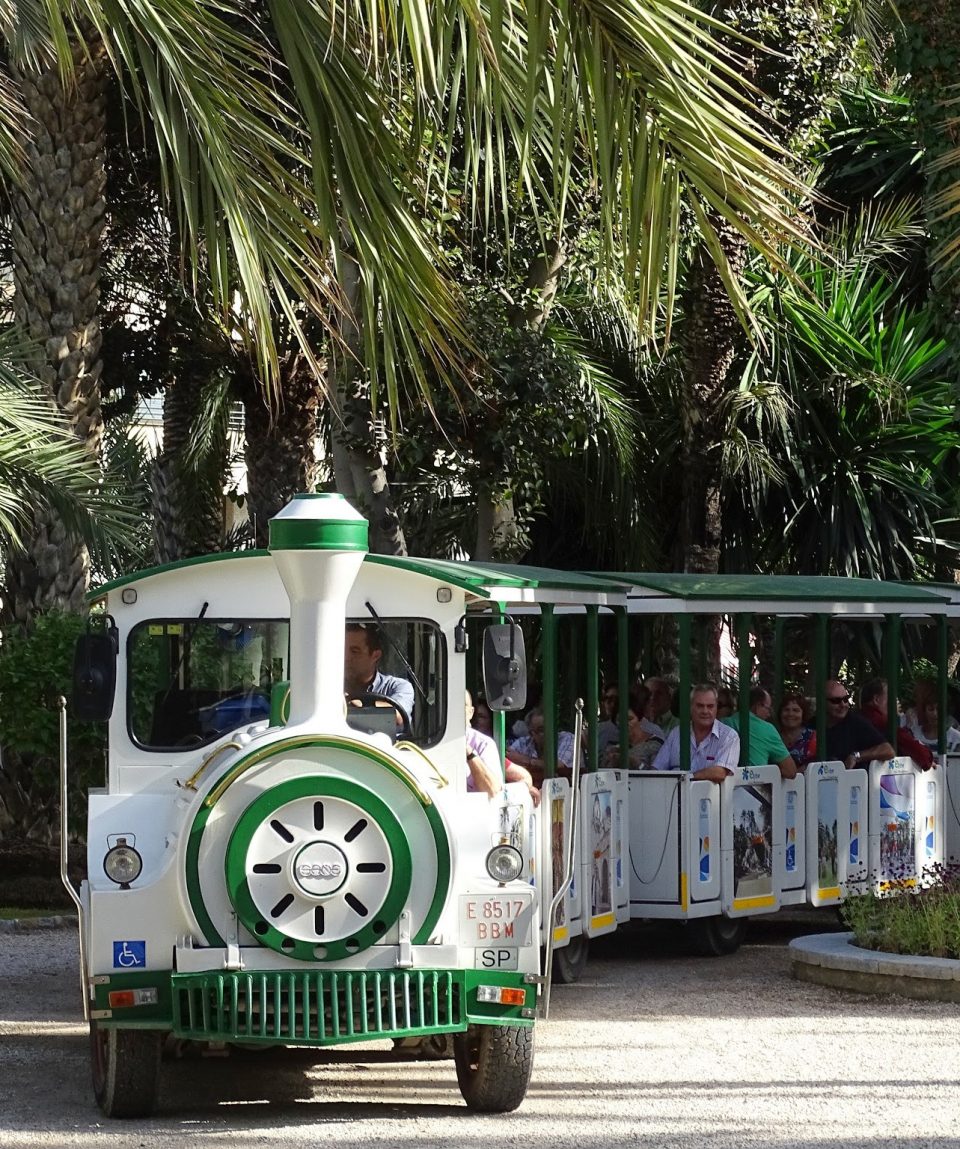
<point x="882" y="751"/>
<point x="711" y="774"/>
<point x="517" y="773"/>
<point x="483" y="779"/>
<point x="788" y="768"/>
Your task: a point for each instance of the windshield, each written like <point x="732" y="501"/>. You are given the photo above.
<point x="191" y="681"/>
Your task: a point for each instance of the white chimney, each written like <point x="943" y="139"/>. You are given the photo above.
<point x="318" y="543"/>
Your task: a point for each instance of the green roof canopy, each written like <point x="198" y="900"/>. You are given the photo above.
<point x="643" y="591"/>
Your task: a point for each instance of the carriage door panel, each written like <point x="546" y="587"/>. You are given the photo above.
<point x="597" y="808"/>
<point x="653" y="843"/>
<point x="836" y="826"/>
<point x="951" y="823"/>
<point x="906" y="823"/>
<point x="752" y="841"/>
<point x="555" y="812"/>
<point x="702" y="873"/>
<point x="794" y="889"/>
<point x="621" y="823"/>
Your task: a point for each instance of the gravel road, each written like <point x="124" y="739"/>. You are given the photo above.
<point x="650" y="1047"/>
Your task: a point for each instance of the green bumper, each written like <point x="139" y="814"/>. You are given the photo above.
<point x="315" y="1007"/>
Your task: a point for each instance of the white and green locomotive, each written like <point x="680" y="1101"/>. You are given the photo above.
<point x="268" y="865"/>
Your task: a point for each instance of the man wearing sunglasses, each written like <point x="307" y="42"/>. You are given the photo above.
<point x="851" y="739"/>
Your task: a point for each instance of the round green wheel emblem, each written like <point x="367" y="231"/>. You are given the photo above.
<point x="318" y="868"/>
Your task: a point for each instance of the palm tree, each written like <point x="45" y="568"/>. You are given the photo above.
<point x="285" y="134"/>
<point x="42" y="466"/>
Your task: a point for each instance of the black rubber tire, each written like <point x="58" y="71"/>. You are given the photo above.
<point x="126" y="1069"/>
<point x="494" y="1063"/>
<point x="716" y="936"/>
<point x="570" y="960"/>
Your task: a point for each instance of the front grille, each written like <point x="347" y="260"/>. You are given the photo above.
<point x="319" y="1007"/>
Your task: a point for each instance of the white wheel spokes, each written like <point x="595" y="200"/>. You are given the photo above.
<point x="318" y="868"/>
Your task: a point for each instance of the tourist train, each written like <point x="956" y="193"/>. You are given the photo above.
<point x="271" y="864"/>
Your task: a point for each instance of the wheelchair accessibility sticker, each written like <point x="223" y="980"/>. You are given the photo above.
<point x="129" y="955"/>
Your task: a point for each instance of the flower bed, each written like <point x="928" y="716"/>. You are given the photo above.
<point x="924" y="923"/>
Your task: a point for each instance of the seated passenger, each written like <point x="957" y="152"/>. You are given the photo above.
<point x="874" y="706"/>
<point x="528" y="751"/>
<point x="799" y="737"/>
<point x="714" y="748"/>
<point x="644" y="738"/>
<point x="925" y="726"/>
<point x="765" y="746"/>
<point x="483" y="761"/>
<point x="726" y="703"/>
<point x="609" y="729"/>
<point x="363" y="650"/>
<point x="851" y="739"/>
<point x="661" y="699"/>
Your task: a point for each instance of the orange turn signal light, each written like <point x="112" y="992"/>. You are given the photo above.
<point x="512" y="996"/>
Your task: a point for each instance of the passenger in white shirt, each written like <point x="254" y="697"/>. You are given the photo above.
<point x="714" y="748"/>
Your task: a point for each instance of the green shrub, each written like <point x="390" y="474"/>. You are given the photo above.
<point x="34" y="671"/>
<point x="924" y="922"/>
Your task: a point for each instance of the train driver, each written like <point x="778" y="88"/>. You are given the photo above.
<point x="363" y="650"/>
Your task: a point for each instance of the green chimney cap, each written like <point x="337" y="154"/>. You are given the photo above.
<point x="323" y="522"/>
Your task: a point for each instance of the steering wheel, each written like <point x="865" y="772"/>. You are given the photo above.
<point x="370" y="698"/>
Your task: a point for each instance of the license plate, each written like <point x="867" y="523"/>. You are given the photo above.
<point x="495" y="918"/>
<point x="497" y="957"/>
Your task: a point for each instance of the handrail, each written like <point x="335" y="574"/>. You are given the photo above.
<point x="191" y="782"/>
<point x="64" y="860"/>
<point x="442" y="779"/>
<point x="568" y="845"/>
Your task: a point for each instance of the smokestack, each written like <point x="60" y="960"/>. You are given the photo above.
<point x="318" y="543"/>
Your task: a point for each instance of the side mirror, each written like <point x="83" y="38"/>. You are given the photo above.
<point x="95" y="674"/>
<point x="504" y="667"/>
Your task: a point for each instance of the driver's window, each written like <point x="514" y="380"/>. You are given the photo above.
<point x="396" y="667"/>
<point x="191" y="680"/>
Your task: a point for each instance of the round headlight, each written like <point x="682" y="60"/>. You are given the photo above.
<point x="122" y="865"/>
<point x="504" y="863"/>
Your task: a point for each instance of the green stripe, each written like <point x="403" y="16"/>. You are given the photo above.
<point x="318" y="535"/>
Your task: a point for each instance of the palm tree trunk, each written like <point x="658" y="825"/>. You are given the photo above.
<point x="280" y="449"/>
<point x="358" y="460"/>
<point x="188" y="504"/>
<point x="57" y="222"/>
<point x="498" y="532"/>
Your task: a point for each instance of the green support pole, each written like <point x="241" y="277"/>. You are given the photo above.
<point x="683" y="627"/>
<point x="646" y="648"/>
<point x="623" y="680"/>
<point x="943" y="698"/>
<point x="593" y="685"/>
<point x="891" y="660"/>
<point x="741" y="623"/>
<point x="701" y="627"/>
<point x="499" y="717"/>
<point x="549" y="702"/>
<point x="779" y="660"/>
<point x="821" y="659"/>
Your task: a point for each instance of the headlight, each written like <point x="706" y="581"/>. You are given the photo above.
<point x="504" y="863"/>
<point x="122" y="865"/>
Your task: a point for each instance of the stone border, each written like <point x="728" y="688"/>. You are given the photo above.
<point x="833" y="960"/>
<point x="29" y="925"/>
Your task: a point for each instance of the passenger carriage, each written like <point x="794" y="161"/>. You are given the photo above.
<point x="268" y="866"/>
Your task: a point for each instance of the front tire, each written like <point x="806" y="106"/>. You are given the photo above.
<point x="494" y="1063"/>
<point x="570" y="960"/>
<point x="717" y="936"/>
<point x="126" y="1069"/>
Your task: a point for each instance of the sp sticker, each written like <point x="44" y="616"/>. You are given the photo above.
<point x="129" y="955"/>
